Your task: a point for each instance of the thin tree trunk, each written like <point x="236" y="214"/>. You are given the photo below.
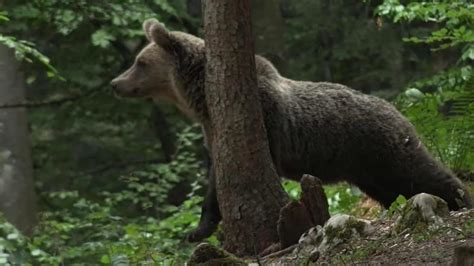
<point x="17" y="196"/>
<point x="249" y="191"/>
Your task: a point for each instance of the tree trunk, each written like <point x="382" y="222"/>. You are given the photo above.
<point x="249" y="191"/>
<point x="17" y="196"/>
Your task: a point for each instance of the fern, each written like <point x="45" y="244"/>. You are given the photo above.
<point x="445" y="119"/>
<point x="463" y="111"/>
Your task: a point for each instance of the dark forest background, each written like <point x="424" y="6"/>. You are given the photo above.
<point x="121" y="180"/>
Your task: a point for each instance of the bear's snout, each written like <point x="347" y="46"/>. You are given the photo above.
<point x="123" y="90"/>
<point x="114" y="85"/>
<point x="117" y="87"/>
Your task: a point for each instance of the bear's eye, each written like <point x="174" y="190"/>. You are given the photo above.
<point x="141" y="63"/>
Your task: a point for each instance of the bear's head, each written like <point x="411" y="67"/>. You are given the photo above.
<point x="151" y="75"/>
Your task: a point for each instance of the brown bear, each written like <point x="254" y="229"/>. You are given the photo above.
<point x="323" y="129"/>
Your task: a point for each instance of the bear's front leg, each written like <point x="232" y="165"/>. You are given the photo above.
<point x="210" y="213"/>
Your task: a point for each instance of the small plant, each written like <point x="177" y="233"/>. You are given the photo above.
<point x="397" y="206"/>
<point x="342" y="197"/>
<point x="292" y="188"/>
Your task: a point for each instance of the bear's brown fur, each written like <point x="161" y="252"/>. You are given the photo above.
<point x="323" y="129"/>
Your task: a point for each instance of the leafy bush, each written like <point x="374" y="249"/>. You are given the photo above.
<point x="24" y="50"/>
<point x="135" y="225"/>
<point x="445" y="121"/>
<point x="441" y="106"/>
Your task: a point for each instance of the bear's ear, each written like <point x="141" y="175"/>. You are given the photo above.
<point x="156" y="32"/>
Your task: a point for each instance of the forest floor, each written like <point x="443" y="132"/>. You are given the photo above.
<point x="434" y="246"/>
<point x="383" y="247"/>
<point x="383" y="240"/>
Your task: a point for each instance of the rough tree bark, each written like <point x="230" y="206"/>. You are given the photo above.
<point x="249" y="191"/>
<point x="17" y="196"/>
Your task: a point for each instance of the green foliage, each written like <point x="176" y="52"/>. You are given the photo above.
<point x="14" y="247"/>
<point x="396" y="206"/>
<point x="446" y="123"/>
<point x="292" y="188"/>
<point x="454" y="29"/>
<point x="3" y="16"/>
<point x="456" y="19"/>
<point x="134" y="225"/>
<point x="341" y="197"/>
<point x="97" y="207"/>
<point x="96" y="37"/>
<point x="444" y="114"/>
<point x="25" y="51"/>
<point x="111" y="17"/>
<point x="124" y="215"/>
<point x="468" y="227"/>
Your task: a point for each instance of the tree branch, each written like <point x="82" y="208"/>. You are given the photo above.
<point x="30" y="104"/>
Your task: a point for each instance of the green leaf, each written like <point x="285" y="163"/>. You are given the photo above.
<point x="3" y="16"/>
<point x="466" y="73"/>
<point x="468" y="54"/>
<point x="36" y="252"/>
<point x="12" y="236"/>
<point x="414" y="94"/>
<point x="397" y="205"/>
<point x="102" y="38"/>
<point x="105" y="259"/>
<point x="120" y="260"/>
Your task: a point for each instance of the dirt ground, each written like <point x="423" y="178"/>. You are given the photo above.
<point x="427" y="245"/>
<point x="433" y="247"/>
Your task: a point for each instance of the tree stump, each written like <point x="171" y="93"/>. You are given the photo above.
<point x="298" y="217"/>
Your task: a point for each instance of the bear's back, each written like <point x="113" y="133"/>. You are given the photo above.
<point x="312" y="125"/>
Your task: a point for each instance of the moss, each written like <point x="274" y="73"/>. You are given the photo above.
<point x="468" y="227"/>
<point x="345" y="231"/>
<point x="410" y="219"/>
<point x="206" y="254"/>
<point x="359" y="254"/>
<point x="470" y="186"/>
<point x="419" y="212"/>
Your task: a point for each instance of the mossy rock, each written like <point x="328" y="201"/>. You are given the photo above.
<point x="207" y="254"/>
<point x="421" y="211"/>
<point x="341" y="228"/>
